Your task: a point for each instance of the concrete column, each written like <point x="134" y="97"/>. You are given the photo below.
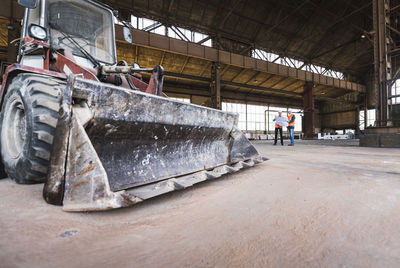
<point x="366" y="114"/>
<point x="215" y="86"/>
<point x="308" y="106"/>
<point x="382" y="61"/>
<point x="357" y="126"/>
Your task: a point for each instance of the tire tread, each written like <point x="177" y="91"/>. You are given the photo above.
<point x="43" y="93"/>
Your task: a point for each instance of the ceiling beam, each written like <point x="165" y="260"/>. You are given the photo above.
<point x="230" y="83"/>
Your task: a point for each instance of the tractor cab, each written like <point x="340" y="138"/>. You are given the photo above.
<point x="82" y="30"/>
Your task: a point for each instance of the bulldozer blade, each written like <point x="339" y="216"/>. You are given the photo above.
<point x="127" y="146"/>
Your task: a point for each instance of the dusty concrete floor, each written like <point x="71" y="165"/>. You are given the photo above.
<point x="309" y="206"/>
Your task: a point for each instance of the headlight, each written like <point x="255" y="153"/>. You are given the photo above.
<point x="37" y="32"/>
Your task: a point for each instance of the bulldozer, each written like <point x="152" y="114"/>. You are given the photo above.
<point x="91" y="129"/>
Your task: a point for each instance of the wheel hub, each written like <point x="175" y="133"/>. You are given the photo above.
<point x="15" y="128"/>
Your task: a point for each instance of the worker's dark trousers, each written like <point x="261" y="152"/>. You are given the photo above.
<point x="276" y="135"/>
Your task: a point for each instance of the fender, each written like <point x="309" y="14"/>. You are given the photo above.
<point x="15" y="69"/>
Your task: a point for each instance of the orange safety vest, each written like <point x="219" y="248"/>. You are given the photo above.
<point x="290" y="118"/>
<point x="276" y="125"/>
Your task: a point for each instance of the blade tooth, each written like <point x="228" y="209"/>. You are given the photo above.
<point x="238" y="165"/>
<point x="231" y="169"/>
<point x="149" y="191"/>
<point x="248" y="163"/>
<point x="212" y="175"/>
<point x="192" y="179"/>
<point x="174" y="184"/>
<point x="257" y="161"/>
<point x="222" y="169"/>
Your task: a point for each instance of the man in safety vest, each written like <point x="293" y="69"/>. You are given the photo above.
<point x="278" y="127"/>
<point x="290" y="127"/>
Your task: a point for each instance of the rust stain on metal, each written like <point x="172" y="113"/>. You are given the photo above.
<point x="88" y="169"/>
<point x="79" y="184"/>
<point x="129" y="199"/>
<point x="81" y="145"/>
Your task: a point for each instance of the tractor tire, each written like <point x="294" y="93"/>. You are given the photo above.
<point x="27" y="123"/>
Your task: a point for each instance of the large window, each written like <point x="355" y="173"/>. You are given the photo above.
<point x="236" y="108"/>
<point x="257" y="115"/>
<point x="272" y="57"/>
<point x="171" y="31"/>
<point x="396" y="92"/>
<point x="370" y="118"/>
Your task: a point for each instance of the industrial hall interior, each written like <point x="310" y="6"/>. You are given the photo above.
<point x="199" y="133"/>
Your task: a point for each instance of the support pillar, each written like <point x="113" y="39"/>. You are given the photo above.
<point x="382" y="61"/>
<point x="384" y="134"/>
<point x="366" y="113"/>
<point x="308" y="105"/>
<point x="357" y="126"/>
<point x="215" y="86"/>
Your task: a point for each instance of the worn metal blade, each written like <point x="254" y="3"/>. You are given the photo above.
<point x="142" y="138"/>
<point x="135" y="146"/>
